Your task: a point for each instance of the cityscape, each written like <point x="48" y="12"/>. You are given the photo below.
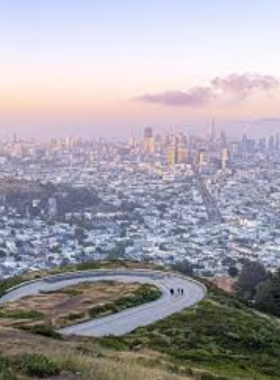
<point x="139" y="190"/>
<point x="161" y="198"/>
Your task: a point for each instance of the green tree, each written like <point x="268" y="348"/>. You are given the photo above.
<point x="267" y="297"/>
<point x="184" y="267"/>
<point x="233" y="271"/>
<point x="252" y="274"/>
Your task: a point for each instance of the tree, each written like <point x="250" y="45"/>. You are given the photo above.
<point x="184" y="267"/>
<point x="233" y="271"/>
<point x="252" y="274"/>
<point x="267" y="297"/>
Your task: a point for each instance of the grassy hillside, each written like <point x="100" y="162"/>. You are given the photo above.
<point x="220" y="335"/>
<point x="220" y="339"/>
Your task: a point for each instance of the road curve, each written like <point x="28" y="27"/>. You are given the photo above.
<point x="127" y="320"/>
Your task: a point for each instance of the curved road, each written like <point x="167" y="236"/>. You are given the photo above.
<point x="127" y="320"/>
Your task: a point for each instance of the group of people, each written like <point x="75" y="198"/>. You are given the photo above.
<point x="180" y="291"/>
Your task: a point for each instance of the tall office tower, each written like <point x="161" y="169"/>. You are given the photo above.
<point x="223" y="139"/>
<point x="181" y="146"/>
<point x="212" y="132"/>
<point x="202" y="157"/>
<point x="182" y="154"/>
<point x="277" y="141"/>
<point x="132" y="141"/>
<point x="52" y="203"/>
<point x="148" y="141"/>
<point x="225" y="158"/>
<point x="244" y="142"/>
<point x="271" y="143"/>
<point x="262" y="143"/>
<point x="172" y="157"/>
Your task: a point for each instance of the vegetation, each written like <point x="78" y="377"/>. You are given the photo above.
<point x="252" y="274"/>
<point x="218" y="339"/>
<point x="6" y="369"/>
<point x="219" y="335"/>
<point x="267" y="296"/>
<point x="233" y="271"/>
<point x="38" y="366"/>
<point x="184" y="267"/>
<point x="44" y="330"/>
<point x="9" y="283"/>
<point x="146" y="293"/>
<point x="20" y="314"/>
<point x="260" y="288"/>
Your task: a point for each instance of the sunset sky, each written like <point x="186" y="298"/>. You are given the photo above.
<point x="99" y="67"/>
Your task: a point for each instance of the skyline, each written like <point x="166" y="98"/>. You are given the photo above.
<point x="98" y="68"/>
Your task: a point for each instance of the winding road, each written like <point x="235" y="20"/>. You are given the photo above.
<point x="128" y="320"/>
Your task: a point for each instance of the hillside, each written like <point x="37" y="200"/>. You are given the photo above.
<point x="220" y="338"/>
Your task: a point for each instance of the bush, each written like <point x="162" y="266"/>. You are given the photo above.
<point x="9" y="283"/>
<point x="6" y="372"/>
<point x="184" y="267"/>
<point x="252" y="274"/>
<point x="114" y="343"/>
<point x="44" y="330"/>
<point x="38" y="366"/>
<point x="20" y="314"/>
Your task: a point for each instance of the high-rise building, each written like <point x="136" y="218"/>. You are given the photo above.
<point x="149" y="141"/>
<point x="202" y="157"/>
<point x="172" y="155"/>
<point x="182" y="154"/>
<point x="225" y="158"/>
<point x="223" y="139"/>
<point x="212" y="132"/>
<point x="277" y="141"/>
<point x="271" y="143"/>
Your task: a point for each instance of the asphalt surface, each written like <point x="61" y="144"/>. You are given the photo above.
<point x="127" y="320"/>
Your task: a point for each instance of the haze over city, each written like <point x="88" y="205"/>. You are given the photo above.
<point x="97" y="68"/>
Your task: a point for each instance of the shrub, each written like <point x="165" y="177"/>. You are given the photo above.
<point x="20" y="314"/>
<point x="6" y="372"/>
<point x="44" y="330"/>
<point x="38" y="366"/>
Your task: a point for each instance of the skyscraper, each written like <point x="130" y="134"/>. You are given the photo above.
<point x="225" y="158"/>
<point x="149" y="141"/>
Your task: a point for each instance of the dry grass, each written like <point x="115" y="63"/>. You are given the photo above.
<point x="85" y="359"/>
<point x="74" y="302"/>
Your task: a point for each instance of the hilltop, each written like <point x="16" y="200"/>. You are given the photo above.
<point x="220" y="338"/>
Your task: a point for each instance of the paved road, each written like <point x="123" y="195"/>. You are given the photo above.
<point x="127" y="320"/>
<point x="212" y="208"/>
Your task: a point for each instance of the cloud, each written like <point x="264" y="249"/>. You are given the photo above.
<point x="234" y="87"/>
<point x="243" y="86"/>
<point x="196" y="96"/>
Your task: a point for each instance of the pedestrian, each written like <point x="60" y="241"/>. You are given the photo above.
<point x="172" y="291"/>
<point x="182" y="291"/>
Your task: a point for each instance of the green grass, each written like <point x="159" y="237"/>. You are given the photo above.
<point x="219" y="335"/>
<point x="146" y="293"/>
<point x="43" y="330"/>
<point x="9" y="283"/>
<point x="21" y="314"/>
<point x="38" y="366"/>
<point x="6" y="370"/>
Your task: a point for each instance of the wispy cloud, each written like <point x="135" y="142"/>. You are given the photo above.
<point x="196" y="96"/>
<point x="235" y="87"/>
<point x="243" y="86"/>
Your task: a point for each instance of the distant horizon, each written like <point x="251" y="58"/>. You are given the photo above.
<point x="234" y="130"/>
<point x="106" y="66"/>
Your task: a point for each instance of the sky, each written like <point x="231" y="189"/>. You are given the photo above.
<point x="94" y="67"/>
